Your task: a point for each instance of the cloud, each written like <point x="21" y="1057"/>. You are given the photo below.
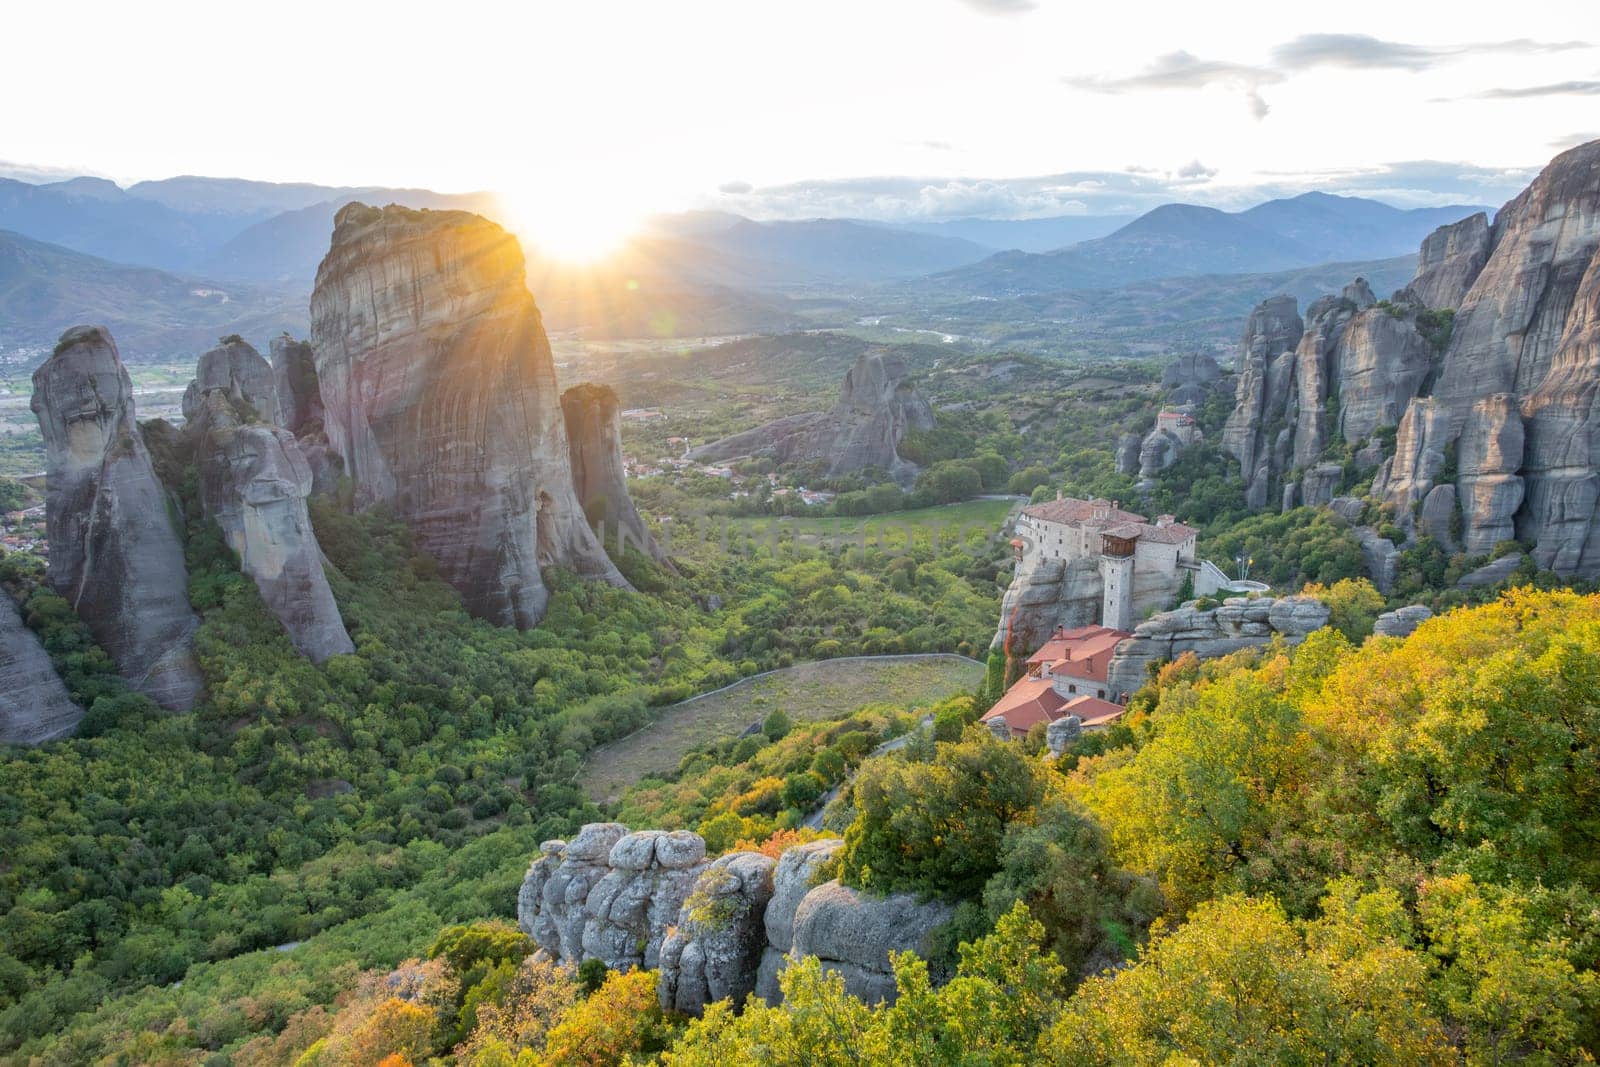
<point x="1360" y="51"/>
<point x="1567" y="88"/>
<point x="1002" y="7"/>
<point x="735" y="188"/>
<point x="1195" y="169"/>
<point x="1573" y="140"/>
<point x="1187" y="71"/>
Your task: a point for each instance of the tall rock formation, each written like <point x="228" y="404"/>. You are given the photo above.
<point x="877" y="405"/>
<point x="237" y="370"/>
<point x="440" y="394"/>
<point x="594" y="436"/>
<point x="254" y="483"/>
<point x="1450" y="260"/>
<point x="294" y="373"/>
<point x="34" y="706"/>
<point x="1514" y="399"/>
<point x="116" y="554"/>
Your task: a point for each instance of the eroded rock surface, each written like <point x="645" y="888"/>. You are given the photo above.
<point x="792" y="879"/>
<point x="294" y="373"/>
<point x="714" y="950"/>
<point x="609" y="894"/>
<point x="853" y="933"/>
<point x="1402" y="622"/>
<point x="116" y="553"/>
<point x="35" y="706"/>
<point x="594" y="435"/>
<point x="254" y="482"/>
<point x="440" y="394"/>
<point x="1450" y="261"/>
<point x="877" y="405"/>
<point x="237" y="370"/>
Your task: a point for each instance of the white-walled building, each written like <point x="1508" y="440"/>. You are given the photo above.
<point x="1131" y="551"/>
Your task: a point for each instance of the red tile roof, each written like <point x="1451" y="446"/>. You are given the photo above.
<point x="1084" y="652"/>
<point x="1029" y="701"/>
<point x="1092" y="710"/>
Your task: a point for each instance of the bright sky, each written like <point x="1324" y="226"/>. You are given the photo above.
<point x="639" y="105"/>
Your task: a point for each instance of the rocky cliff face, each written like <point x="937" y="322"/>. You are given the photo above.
<point x="594" y="435"/>
<point x="715" y="929"/>
<point x="34" y="706"/>
<point x="115" y="550"/>
<point x="1239" y="622"/>
<point x="1495" y="431"/>
<point x="440" y="394"/>
<point x="1514" y="399"/>
<point x="877" y="405"/>
<point x="254" y="482"/>
<point x="1450" y="261"/>
<point x="1052" y="593"/>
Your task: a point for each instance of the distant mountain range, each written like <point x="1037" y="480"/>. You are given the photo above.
<point x="153" y="314"/>
<point x="1177" y="240"/>
<point x="131" y="258"/>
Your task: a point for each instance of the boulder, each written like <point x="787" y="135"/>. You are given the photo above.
<point x="116" y="553"/>
<point x="1063" y="734"/>
<point x="440" y="394"/>
<point x="1158" y="451"/>
<point x="1492" y="573"/>
<point x="1319" y="484"/>
<point x="253" y="483"/>
<point x="35" y="706"/>
<point x="1381" y="556"/>
<point x="1402" y="622"/>
<point x="853" y="934"/>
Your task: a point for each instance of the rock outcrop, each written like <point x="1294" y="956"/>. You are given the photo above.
<point x="1450" y="261"/>
<point x="116" y="553"/>
<point x="237" y="370"/>
<point x="853" y="934"/>
<point x="34" y="706"/>
<point x="609" y="894"/>
<point x="877" y="405"/>
<point x="294" y="372"/>
<point x="714" y="951"/>
<point x="1190" y="378"/>
<point x="439" y="392"/>
<point x="716" y="930"/>
<point x="594" y="436"/>
<point x="253" y="483"/>
<point x="1402" y="622"/>
<point x="1048" y="594"/>
<point x="1239" y="622"/>
<point x="795" y="876"/>
<point x="1128" y="446"/>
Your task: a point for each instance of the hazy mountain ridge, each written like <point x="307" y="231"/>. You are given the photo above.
<point x="1185" y="239"/>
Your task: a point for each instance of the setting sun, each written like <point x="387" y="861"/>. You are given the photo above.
<point x="573" y="225"/>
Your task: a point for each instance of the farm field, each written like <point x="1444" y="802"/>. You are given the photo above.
<point x="807" y="692"/>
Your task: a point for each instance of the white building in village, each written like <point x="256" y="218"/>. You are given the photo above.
<point x="1130" y="550"/>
